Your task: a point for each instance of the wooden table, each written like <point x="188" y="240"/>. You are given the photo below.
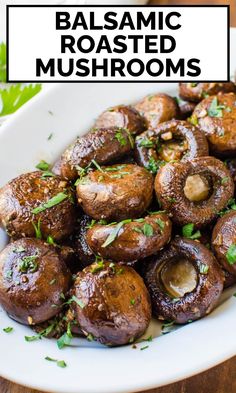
<point x="220" y="379"/>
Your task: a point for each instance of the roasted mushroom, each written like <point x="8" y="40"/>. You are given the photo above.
<point x="34" y="281"/>
<point x="174" y="140"/>
<point x="113" y="304"/>
<point x="130" y="240"/>
<point x="33" y="201"/>
<point x="230" y="279"/>
<point x="81" y="247"/>
<point x="122" y="116"/>
<point x="195" y="92"/>
<point x="224" y="241"/>
<point x="104" y="145"/>
<point x="184" y="281"/>
<point x="186" y="108"/>
<point x="194" y="192"/>
<point x="157" y="108"/>
<point x="231" y="165"/>
<point x="106" y="193"/>
<point x="216" y="117"/>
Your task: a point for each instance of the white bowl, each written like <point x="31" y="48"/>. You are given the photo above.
<point x="66" y="111"/>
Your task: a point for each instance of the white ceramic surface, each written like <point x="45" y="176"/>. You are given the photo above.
<point x="66" y="111"/>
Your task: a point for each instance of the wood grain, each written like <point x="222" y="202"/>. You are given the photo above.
<point x="220" y="379"/>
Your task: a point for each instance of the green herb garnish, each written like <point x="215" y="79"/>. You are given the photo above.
<point x="188" y="232"/>
<point x="38" y="233"/>
<point x="203" y="268"/>
<point x="51" y="241"/>
<point x="154" y="166"/>
<point x="214" y="109"/>
<point x="145" y="142"/>
<point x="3" y="62"/>
<point x="145" y="347"/>
<point x="231" y="254"/>
<point x="113" y="235"/>
<point x="51" y="202"/>
<point x="160" y="223"/>
<point x="8" y="329"/>
<point x="28" y="264"/>
<point x="132" y="302"/>
<point x="60" y="363"/>
<point x="97" y="267"/>
<point x="120" y="137"/>
<point x="43" y="165"/>
<point x="32" y="338"/>
<point x="65" y="339"/>
<point x="17" y="95"/>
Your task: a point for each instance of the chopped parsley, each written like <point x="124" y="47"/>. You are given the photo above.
<point x="160" y="223"/>
<point x="60" y="363"/>
<point x="50" y="203"/>
<point x="77" y="301"/>
<point x="215" y="110"/>
<point x="43" y="166"/>
<point x="145" y="347"/>
<point x="50" y="136"/>
<point x="132" y="302"/>
<point x="65" y="339"/>
<point x="51" y="241"/>
<point x="145" y="142"/>
<point x="167" y="327"/>
<point x="188" y="232"/>
<point x="113" y="235"/>
<point x="120" y="137"/>
<point x="32" y="338"/>
<point x="224" y="180"/>
<point x="97" y="267"/>
<point x="193" y="120"/>
<point x="154" y="166"/>
<point x="8" y="329"/>
<point x="146" y="230"/>
<point x="203" y="268"/>
<point x="94" y="162"/>
<point x="38" y="233"/>
<point x="28" y="264"/>
<point x="231" y="254"/>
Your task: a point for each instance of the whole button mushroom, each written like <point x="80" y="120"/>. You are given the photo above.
<point x="194" y="192"/>
<point x="216" y="117"/>
<point x="115" y="193"/>
<point x="184" y="281"/>
<point x="157" y="108"/>
<point x="104" y="145"/>
<point x="224" y="241"/>
<point x="174" y="140"/>
<point x="113" y="304"/>
<point x="122" y="116"/>
<point x="34" y="280"/>
<point x="132" y="239"/>
<point x="33" y="201"/>
<point x="195" y="92"/>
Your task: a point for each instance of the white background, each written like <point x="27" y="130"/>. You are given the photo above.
<point x="32" y="34"/>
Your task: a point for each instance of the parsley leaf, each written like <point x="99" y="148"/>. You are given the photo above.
<point x="110" y="239"/>
<point x="187" y="231"/>
<point x="214" y="109"/>
<point x="43" y="166"/>
<point x="50" y="203"/>
<point x="231" y="254"/>
<point x="17" y="95"/>
<point x="8" y="329"/>
<point x="3" y="62"/>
